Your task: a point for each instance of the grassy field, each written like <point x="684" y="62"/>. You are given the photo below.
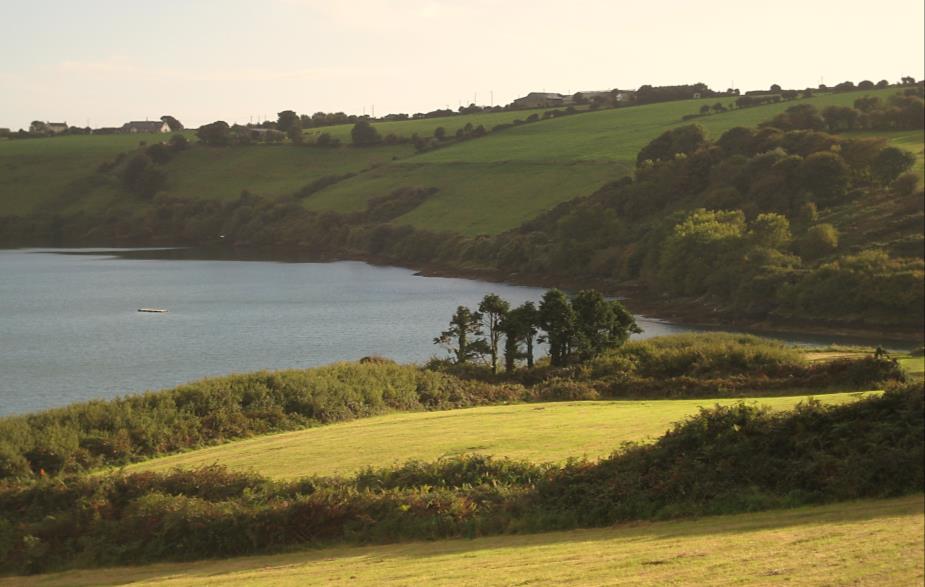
<point x="425" y="127"/>
<point x="544" y="432"/>
<point x="277" y="170"/>
<point x="495" y="183"/>
<point x="485" y="186"/>
<point x="875" y="543"/>
<point x="473" y="198"/>
<point x="36" y="171"/>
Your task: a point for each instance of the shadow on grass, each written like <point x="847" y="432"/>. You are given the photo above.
<point x="830" y="515"/>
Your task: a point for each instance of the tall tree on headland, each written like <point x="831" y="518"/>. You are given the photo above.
<point x="493" y="310"/>
<point x="462" y="338"/>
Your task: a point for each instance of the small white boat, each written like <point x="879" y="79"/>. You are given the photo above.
<point x="153" y="310"/>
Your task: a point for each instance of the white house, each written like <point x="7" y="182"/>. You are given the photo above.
<point x="146" y="126"/>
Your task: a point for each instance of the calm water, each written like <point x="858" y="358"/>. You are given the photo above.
<point x="69" y="329"/>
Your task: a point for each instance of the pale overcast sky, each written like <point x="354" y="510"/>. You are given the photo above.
<point x="109" y="61"/>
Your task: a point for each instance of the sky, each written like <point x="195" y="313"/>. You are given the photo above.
<point x="104" y="62"/>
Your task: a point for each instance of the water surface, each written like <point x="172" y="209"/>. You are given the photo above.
<point x="70" y="330"/>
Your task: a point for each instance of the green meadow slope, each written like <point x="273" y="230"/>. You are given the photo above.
<point x="544" y="432"/>
<point x="484" y="186"/>
<point x="872" y="543"/>
<point x="495" y="183"/>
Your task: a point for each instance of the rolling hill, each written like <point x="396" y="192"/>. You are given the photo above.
<point x="546" y="432"/>
<point x="484" y="186"/>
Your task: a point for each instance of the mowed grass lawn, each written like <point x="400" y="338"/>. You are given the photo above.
<point x="875" y="543"/>
<point x="542" y="432"/>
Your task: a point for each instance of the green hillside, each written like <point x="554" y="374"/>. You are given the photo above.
<point x="495" y="183"/>
<point x="36" y="171"/>
<point x="871" y="543"/>
<point x="425" y="127"/>
<point x="546" y="432"/>
<point x="485" y="185"/>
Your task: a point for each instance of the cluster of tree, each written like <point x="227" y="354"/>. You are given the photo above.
<point x="899" y="112"/>
<point x="650" y="94"/>
<point x="142" y="173"/>
<point x="575" y="329"/>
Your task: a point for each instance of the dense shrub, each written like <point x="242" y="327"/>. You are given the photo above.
<point x="209" y="411"/>
<point x="723" y="460"/>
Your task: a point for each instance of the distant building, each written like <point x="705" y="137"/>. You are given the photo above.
<point x="55" y="127"/>
<point x="145" y="126"/>
<point x="623" y="95"/>
<point x="4" y="132"/>
<point x="541" y="100"/>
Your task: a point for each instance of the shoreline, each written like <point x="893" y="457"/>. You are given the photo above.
<point x="683" y="312"/>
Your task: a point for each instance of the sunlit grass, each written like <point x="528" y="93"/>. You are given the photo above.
<point x="874" y="543"/>
<point x="544" y="432"/>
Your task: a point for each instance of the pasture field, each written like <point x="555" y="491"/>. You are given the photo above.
<point x="36" y="171"/>
<point x="539" y="432"/>
<point x="555" y="160"/>
<point x="874" y="543"/>
<point x="472" y="198"/>
<point x="424" y="127"/>
<point x="485" y="186"/>
<point x="271" y="170"/>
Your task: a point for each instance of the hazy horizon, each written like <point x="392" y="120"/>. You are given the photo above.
<point x="102" y="63"/>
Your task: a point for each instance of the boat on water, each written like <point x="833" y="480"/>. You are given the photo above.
<point x="153" y="310"/>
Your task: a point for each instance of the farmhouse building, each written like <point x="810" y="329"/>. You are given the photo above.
<point x="540" y="100"/>
<point x="145" y="126"/>
<point x="56" y="127"/>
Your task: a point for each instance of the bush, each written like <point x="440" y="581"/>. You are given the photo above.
<point x="94" y="434"/>
<point x="722" y="460"/>
<point x="819" y="241"/>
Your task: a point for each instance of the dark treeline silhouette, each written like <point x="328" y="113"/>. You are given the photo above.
<point x="576" y="329"/>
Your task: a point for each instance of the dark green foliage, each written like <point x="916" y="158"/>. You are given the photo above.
<point x="288" y="120"/>
<point x="744" y="458"/>
<point x="462" y="338"/>
<point x="900" y="112"/>
<point x="216" y="134"/>
<point x="890" y="163"/>
<point x="826" y="176"/>
<point x="142" y="177"/>
<point x="723" y="460"/>
<point x="684" y="139"/>
<point x="174" y="124"/>
<point x="520" y="328"/>
<point x="557" y="318"/>
<point x="210" y="411"/>
<point x="600" y="325"/>
<point x="819" y="241"/>
<point x="493" y="310"/>
<point x="363" y="134"/>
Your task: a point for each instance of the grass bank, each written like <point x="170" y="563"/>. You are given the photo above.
<point x="540" y="433"/>
<point x="860" y="543"/>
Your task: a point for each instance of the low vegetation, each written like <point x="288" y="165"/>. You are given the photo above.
<point x="869" y="543"/>
<point x="85" y="436"/>
<point x="538" y="432"/>
<point x="723" y="460"/>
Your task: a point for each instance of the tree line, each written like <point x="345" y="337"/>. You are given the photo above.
<point x="576" y="329"/>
